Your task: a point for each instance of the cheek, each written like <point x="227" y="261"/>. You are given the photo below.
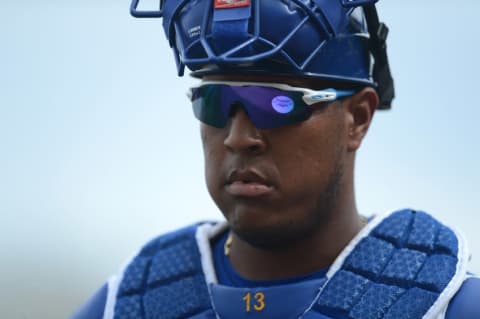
<point x="305" y="169"/>
<point x="213" y="155"/>
<point x="308" y="158"/>
<point x="322" y="154"/>
<point x="211" y="142"/>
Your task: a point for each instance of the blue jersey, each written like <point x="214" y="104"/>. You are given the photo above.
<point x="402" y="265"/>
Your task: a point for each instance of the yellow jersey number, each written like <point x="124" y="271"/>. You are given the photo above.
<point x="257" y="302"/>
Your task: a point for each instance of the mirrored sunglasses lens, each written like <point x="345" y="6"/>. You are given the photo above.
<point x="271" y="107"/>
<point x="267" y="107"/>
<point x="207" y="106"/>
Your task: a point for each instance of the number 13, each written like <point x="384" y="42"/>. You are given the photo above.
<point x="258" y="304"/>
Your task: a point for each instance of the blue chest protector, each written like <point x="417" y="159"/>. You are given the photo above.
<point x="405" y="265"/>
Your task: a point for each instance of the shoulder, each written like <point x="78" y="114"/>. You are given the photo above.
<point x="465" y="304"/>
<point x="130" y="274"/>
<point x="168" y="255"/>
<point x="93" y="308"/>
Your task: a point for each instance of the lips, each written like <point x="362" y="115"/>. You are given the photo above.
<point x="247" y="183"/>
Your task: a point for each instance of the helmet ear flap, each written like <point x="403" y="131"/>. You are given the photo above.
<point x="378" y="45"/>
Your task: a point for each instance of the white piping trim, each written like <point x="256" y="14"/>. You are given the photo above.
<point x="439" y="307"/>
<point x="443" y="312"/>
<point x="111" y="297"/>
<point x="113" y="286"/>
<point x="203" y="235"/>
<point x="337" y="264"/>
<point x="456" y="282"/>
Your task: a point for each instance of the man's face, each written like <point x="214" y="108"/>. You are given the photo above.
<point x="276" y="186"/>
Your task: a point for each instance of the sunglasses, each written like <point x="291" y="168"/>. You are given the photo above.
<point x="268" y="105"/>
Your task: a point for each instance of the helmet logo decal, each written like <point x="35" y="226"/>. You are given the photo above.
<point x="227" y="4"/>
<point x="194" y="32"/>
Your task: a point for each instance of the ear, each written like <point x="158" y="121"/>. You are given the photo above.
<point x="360" y="110"/>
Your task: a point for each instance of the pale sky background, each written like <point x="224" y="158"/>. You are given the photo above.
<point x="99" y="150"/>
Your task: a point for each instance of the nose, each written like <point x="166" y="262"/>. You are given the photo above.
<point x="242" y="135"/>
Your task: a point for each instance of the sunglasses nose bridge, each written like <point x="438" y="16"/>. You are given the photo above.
<point x="234" y="107"/>
<point x="238" y="112"/>
<point x="242" y="134"/>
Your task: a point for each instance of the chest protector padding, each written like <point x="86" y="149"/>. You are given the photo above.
<point x="397" y="272"/>
<point x="165" y="280"/>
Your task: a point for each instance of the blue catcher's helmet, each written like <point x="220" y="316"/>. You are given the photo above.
<point x="341" y="41"/>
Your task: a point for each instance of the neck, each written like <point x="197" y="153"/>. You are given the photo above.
<point x="305" y="256"/>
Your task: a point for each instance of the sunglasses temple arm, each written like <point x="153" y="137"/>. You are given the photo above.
<point x="327" y="95"/>
<point x="344" y="93"/>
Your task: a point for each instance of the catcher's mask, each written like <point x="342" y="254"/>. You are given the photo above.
<point x="341" y="41"/>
